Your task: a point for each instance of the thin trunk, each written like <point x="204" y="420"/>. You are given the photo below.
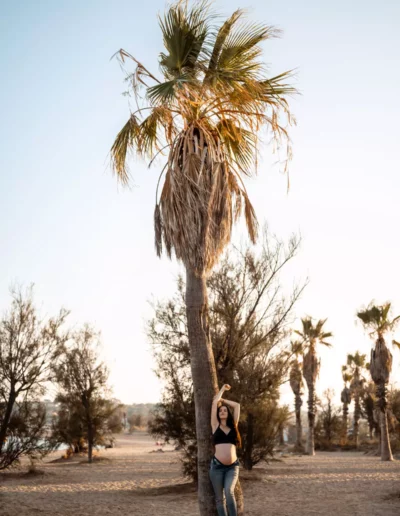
<point x="90" y="441"/>
<point x="357" y="415"/>
<point x="299" y="430"/>
<point x="281" y="436"/>
<point x="248" y="464"/>
<point x="386" y="452"/>
<point x="205" y="384"/>
<point x="90" y="431"/>
<point x="311" y="419"/>
<point x="6" y="419"/>
<point x="345" y="423"/>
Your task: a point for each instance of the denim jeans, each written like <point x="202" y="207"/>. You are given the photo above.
<point x="223" y="479"/>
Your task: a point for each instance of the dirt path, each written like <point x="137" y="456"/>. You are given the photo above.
<point x="134" y="482"/>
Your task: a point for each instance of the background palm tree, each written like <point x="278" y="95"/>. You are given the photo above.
<point x="378" y="321"/>
<point x="312" y="335"/>
<point x="356" y="364"/>
<point x="297" y="385"/>
<point x="345" y="398"/>
<point x="205" y="110"/>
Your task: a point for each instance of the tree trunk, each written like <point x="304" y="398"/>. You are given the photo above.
<point x="239" y="498"/>
<point x="386" y="452"/>
<point x="345" y="423"/>
<point x="248" y="464"/>
<point x="311" y="419"/>
<point x="357" y="415"/>
<point x="90" y="440"/>
<point x="299" y="430"/>
<point x="205" y="384"/>
<point x="6" y="420"/>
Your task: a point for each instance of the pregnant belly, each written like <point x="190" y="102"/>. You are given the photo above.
<point x="226" y="453"/>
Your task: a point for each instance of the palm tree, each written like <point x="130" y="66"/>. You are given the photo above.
<point x="346" y="400"/>
<point x="377" y="319"/>
<point x="297" y="385"/>
<point x="205" y="111"/>
<point x="356" y="364"/>
<point x="312" y="335"/>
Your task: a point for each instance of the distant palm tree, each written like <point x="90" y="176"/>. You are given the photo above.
<point x="356" y="363"/>
<point x="205" y="111"/>
<point x="377" y="319"/>
<point x="297" y="385"/>
<point x="346" y="400"/>
<point x="311" y="336"/>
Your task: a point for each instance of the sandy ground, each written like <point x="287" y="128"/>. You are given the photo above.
<point x="131" y="481"/>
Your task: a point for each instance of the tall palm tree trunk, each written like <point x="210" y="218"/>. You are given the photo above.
<point x="386" y="452"/>
<point x="357" y="415"/>
<point x="298" y="402"/>
<point x="345" y="423"/>
<point x="205" y="386"/>
<point x="311" y="418"/>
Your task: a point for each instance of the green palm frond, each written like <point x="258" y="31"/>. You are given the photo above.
<point x="123" y="143"/>
<point x="311" y="333"/>
<point x="223" y="33"/>
<point x="184" y="32"/>
<point x="377" y="318"/>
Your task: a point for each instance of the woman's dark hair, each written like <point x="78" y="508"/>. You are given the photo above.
<point x="231" y="423"/>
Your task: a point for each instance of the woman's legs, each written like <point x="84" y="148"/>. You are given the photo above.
<point x="231" y="477"/>
<point x="217" y="476"/>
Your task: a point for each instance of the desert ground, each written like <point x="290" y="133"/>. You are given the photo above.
<point x="132" y="480"/>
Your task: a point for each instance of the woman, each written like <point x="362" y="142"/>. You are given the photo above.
<point x="224" y="469"/>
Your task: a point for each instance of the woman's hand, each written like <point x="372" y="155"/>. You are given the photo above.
<point x="225" y="387"/>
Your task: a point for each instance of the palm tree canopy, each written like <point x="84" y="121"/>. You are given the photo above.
<point x="356" y="360"/>
<point x="311" y="334"/>
<point x="378" y="319"/>
<point x="207" y="108"/>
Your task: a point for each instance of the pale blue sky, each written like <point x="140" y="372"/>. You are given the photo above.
<point x="88" y="245"/>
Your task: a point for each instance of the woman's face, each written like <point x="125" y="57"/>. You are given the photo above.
<point x="223" y="413"/>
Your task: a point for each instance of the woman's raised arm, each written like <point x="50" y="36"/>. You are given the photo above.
<point x="214" y="406"/>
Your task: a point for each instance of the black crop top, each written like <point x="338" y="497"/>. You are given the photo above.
<point x="220" y="437"/>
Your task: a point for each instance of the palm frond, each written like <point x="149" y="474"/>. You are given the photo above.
<point x="184" y="32"/>
<point x="223" y="33"/>
<point x="120" y="148"/>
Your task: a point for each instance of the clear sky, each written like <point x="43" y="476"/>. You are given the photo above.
<point x="88" y="245"/>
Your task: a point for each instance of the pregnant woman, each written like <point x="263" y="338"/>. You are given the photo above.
<point x="224" y="469"/>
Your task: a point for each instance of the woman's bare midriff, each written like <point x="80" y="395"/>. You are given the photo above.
<point x="225" y="453"/>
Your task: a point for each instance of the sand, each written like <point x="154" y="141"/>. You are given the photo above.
<point x="130" y="481"/>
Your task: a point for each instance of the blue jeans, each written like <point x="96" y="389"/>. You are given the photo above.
<point x="224" y="478"/>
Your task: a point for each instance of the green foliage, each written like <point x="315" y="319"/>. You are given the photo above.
<point x="250" y="322"/>
<point x="82" y="380"/>
<point x="28" y="346"/>
<point x="328" y="427"/>
<point x="378" y="319"/>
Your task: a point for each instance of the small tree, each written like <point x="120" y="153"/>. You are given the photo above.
<point x="329" y="424"/>
<point x="82" y="380"/>
<point x="345" y="398"/>
<point x="28" y="346"/>
<point x="356" y="364"/>
<point x="368" y="403"/>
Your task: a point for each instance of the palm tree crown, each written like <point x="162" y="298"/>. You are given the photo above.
<point x="311" y="334"/>
<point x="207" y="109"/>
